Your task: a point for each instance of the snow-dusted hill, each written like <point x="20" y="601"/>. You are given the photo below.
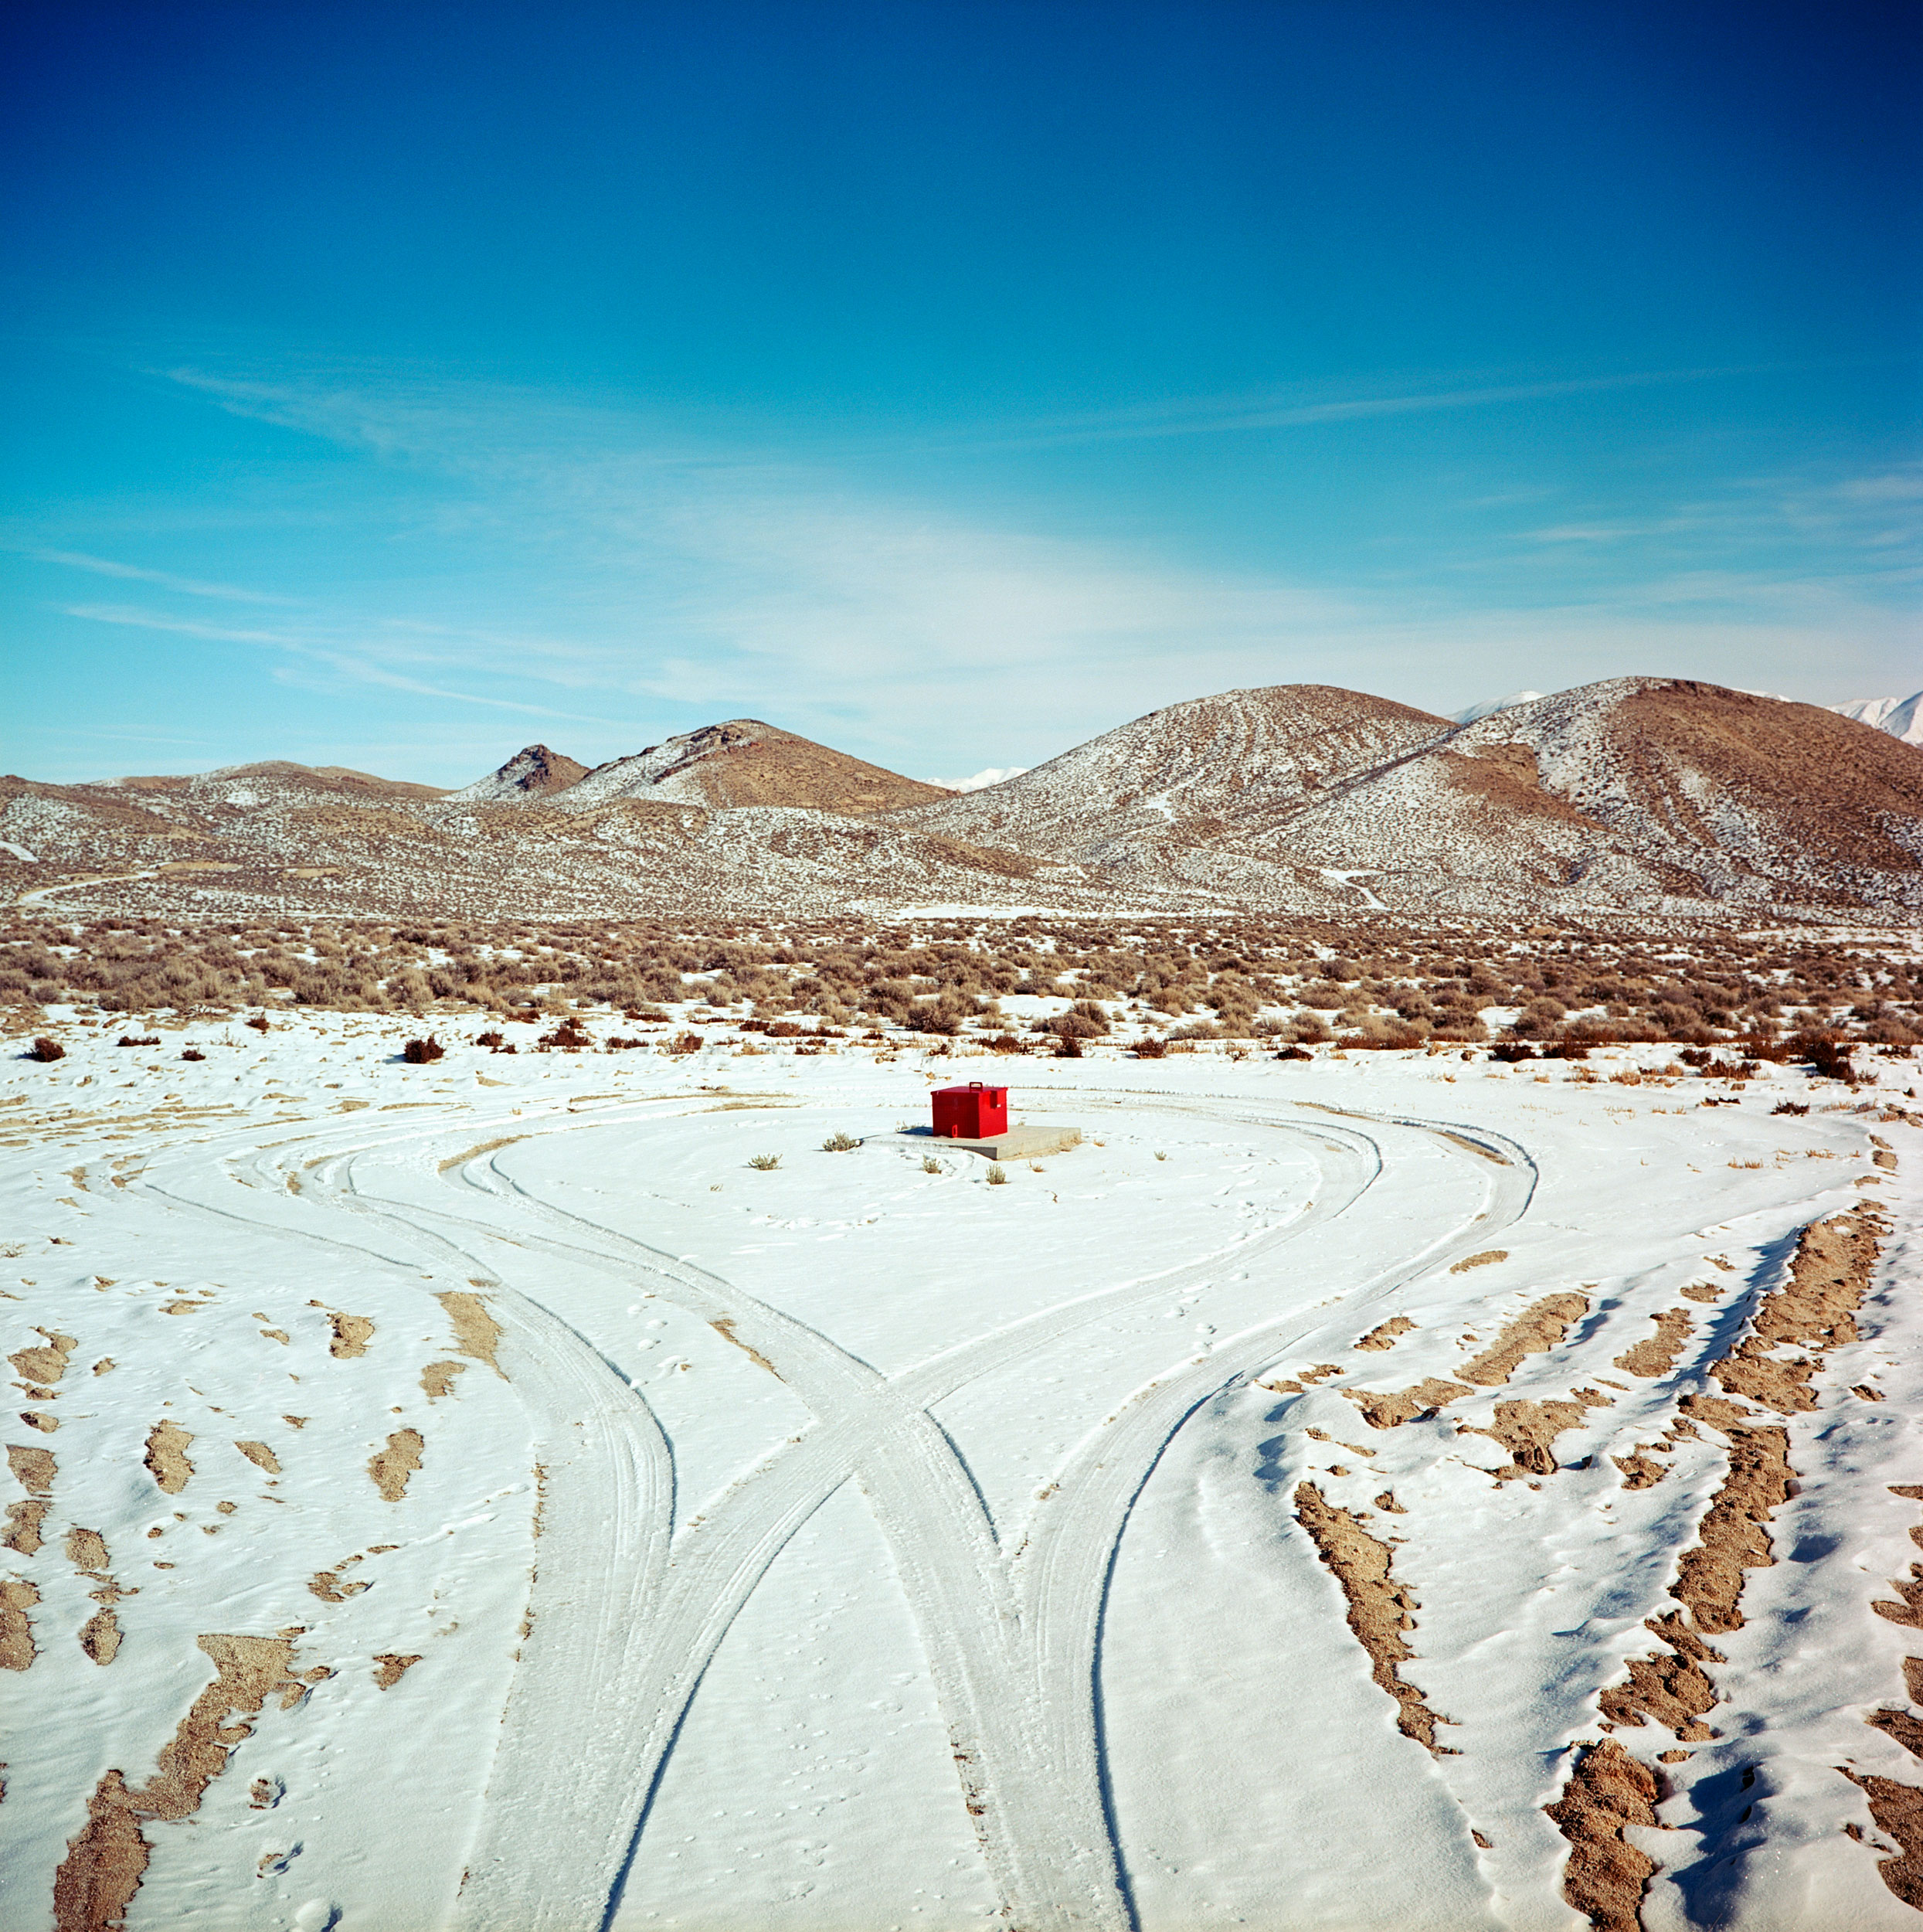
<point x="1902" y="718"/>
<point x="1642" y="796"/>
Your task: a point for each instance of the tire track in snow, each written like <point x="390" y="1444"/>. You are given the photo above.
<point x="1037" y="1750"/>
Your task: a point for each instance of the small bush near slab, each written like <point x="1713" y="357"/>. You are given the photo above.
<point x="997" y="1177"/>
<point x="839" y="1144"/>
<point x="764" y="1163"/>
<point x="47" y="1049"/>
<point x="418" y="1052"/>
<point x="930" y="1164"/>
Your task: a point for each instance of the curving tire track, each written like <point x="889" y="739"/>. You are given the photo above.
<point x="1013" y="1643"/>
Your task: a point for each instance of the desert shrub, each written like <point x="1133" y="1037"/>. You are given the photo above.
<point x="567" y="1038"/>
<point x="47" y="1049"/>
<point x="257" y="1021"/>
<point x="683" y="1043"/>
<point x="1006" y="1043"/>
<point x="764" y="1163"/>
<point x="839" y="1144"/>
<point x="1068" y="1047"/>
<point x="491" y="1040"/>
<point x="930" y="1164"/>
<point x="996" y="1176"/>
<point x="419" y="1053"/>
<point x="1150" y="1048"/>
<point x="1511" y="1051"/>
<point x="193" y="1053"/>
<point x="143" y="1040"/>
<point x="1790" y="1107"/>
<point x="1295" y="1053"/>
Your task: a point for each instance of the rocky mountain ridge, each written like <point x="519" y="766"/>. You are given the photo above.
<point x="1637" y="797"/>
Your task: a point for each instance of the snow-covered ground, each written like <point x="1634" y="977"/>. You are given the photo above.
<point x="473" y="1494"/>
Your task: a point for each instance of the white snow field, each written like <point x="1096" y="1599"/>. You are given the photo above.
<point x="472" y="1495"/>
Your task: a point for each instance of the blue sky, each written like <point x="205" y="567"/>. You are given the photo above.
<point x="393" y="385"/>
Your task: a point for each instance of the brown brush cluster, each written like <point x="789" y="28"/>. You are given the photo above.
<point x="1811" y="998"/>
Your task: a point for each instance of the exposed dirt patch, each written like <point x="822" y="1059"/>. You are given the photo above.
<point x="261" y="1456"/>
<point x="1674" y="1689"/>
<point x="1898" y="1810"/>
<point x="33" y="1469"/>
<point x="723" y="1326"/>
<point x="391" y="1466"/>
<point x="1488" y="1255"/>
<point x="1814" y="1309"/>
<point x="100" y="1636"/>
<point x="1386" y="1336"/>
<point x="17" y="1597"/>
<point x="1733" y="1534"/>
<point x="1535" y="1331"/>
<point x="351" y="1334"/>
<point x="23" y="1527"/>
<point x="47" y="1364"/>
<point x="1606" y="1875"/>
<point x="87" y="1549"/>
<point x="1528" y="1430"/>
<point x="474" y="1153"/>
<point x="1656" y="1356"/>
<point x="1398" y="1405"/>
<point x="106" y="1862"/>
<point x="477" y="1333"/>
<point x="1380" y="1609"/>
<point x="390" y="1667"/>
<point x="437" y="1378"/>
<point x="166" y="1457"/>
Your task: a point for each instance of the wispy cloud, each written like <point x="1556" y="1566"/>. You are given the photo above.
<point x="629" y="578"/>
<point x="187" y="587"/>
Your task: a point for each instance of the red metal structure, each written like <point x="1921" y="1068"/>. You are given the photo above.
<point x="971" y="1113"/>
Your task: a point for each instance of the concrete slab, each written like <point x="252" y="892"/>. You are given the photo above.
<point x="1027" y="1141"/>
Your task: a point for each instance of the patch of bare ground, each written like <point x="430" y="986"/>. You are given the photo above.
<point x="1380" y="1609"/>
<point x="23" y="1527"/>
<point x="390" y="1667"/>
<point x="1897" y="1809"/>
<point x="391" y="1466"/>
<point x="1828" y="1279"/>
<point x="17" y="1597"/>
<point x="437" y="1378"/>
<point x="723" y="1326"/>
<point x="261" y="1456"/>
<point x="1605" y="1876"/>
<point x="1390" y="1410"/>
<point x="45" y="1364"/>
<point x="1488" y="1255"/>
<point x="477" y="1333"/>
<point x="474" y="1153"/>
<point x="1387" y="1336"/>
<point x="351" y="1334"/>
<point x="1814" y="1309"/>
<point x="1528" y="1430"/>
<point x="1655" y="1355"/>
<point x="166" y="1457"/>
<point x="33" y="1469"/>
<point x="106" y="1860"/>
<point x="1535" y="1331"/>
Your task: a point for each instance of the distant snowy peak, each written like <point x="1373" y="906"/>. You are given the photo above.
<point x="989" y="775"/>
<point x="1902" y="718"/>
<point x="1489" y="706"/>
<point x="533" y="772"/>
